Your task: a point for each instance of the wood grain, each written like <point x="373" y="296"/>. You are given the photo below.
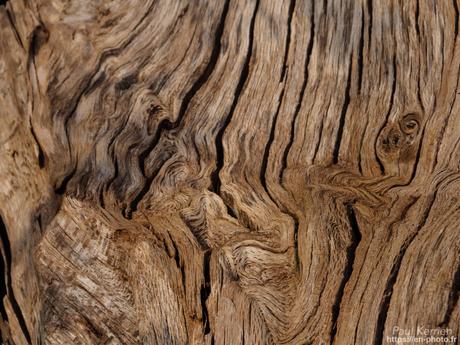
<point x="228" y="172"/>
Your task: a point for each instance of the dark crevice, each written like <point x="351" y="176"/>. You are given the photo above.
<point x="215" y="180"/>
<point x="361" y="53"/>
<point x="263" y="168"/>
<point x="40" y="36"/>
<point x="166" y="125"/>
<point x="417" y="15"/>
<point x="288" y="38"/>
<point x="7" y="275"/>
<point x="275" y="120"/>
<point x="351" y="250"/>
<point x="128" y="212"/>
<point x="179" y="263"/>
<point x="205" y="291"/>
<point x="61" y="189"/>
<point x="392" y="278"/>
<point x="296" y="240"/>
<point x="346" y="103"/>
<point x="302" y="91"/>
<point x="230" y="211"/>
<point x="3" y="290"/>
<point x="453" y="298"/>
<point x="3" y="2"/>
<point x="370" y="11"/>
<point x="419" y="89"/>
<point x="393" y="91"/>
<point x="417" y="158"/>
<point x="41" y="155"/>
<point x="209" y="68"/>
<point x="163" y="126"/>
<point x="456" y="17"/>
<point x="385" y="303"/>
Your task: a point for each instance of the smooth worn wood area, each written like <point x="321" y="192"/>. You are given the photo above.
<point x="228" y="171"/>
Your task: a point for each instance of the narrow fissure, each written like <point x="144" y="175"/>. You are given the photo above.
<point x="370" y="11"/>
<point x="41" y="155"/>
<point x="205" y="290"/>
<point x="167" y="125"/>
<point x="275" y="120"/>
<point x="388" y="292"/>
<point x="320" y="131"/>
<point x="346" y="103"/>
<point x="453" y="298"/>
<point x="288" y="38"/>
<point x="209" y="68"/>
<point x="215" y="179"/>
<point x="393" y="91"/>
<point x="179" y="263"/>
<point x="302" y="91"/>
<point x="3" y="291"/>
<point x="361" y="53"/>
<point x="296" y="241"/>
<point x="417" y="158"/>
<point x="9" y="288"/>
<point x="456" y="17"/>
<point x="351" y="250"/>
<point x="149" y="180"/>
<point x="61" y="189"/>
<point x="263" y="168"/>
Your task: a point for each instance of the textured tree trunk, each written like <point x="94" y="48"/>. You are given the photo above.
<point x="229" y="171"/>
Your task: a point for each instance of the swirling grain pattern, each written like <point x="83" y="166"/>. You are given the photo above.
<point x="228" y="172"/>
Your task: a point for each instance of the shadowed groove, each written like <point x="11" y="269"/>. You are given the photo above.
<point x="343" y="114"/>
<point x="393" y="276"/>
<point x="154" y="239"/>
<point x="215" y="179"/>
<point x="8" y="278"/>
<point x="302" y="91"/>
<point x="351" y="253"/>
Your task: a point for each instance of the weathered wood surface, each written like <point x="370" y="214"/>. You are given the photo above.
<point x="228" y="172"/>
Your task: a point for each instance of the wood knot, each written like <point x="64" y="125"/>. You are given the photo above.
<point x="397" y="143"/>
<point x="391" y="141"/>
<point x="409" y="125"/>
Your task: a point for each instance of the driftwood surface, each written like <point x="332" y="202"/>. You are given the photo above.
<point x="228" y="171"/>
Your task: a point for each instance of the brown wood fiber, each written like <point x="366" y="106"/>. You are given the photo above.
<point x="228" y="171"/>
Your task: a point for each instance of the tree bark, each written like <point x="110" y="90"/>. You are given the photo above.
<point x="229" y="172"/>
